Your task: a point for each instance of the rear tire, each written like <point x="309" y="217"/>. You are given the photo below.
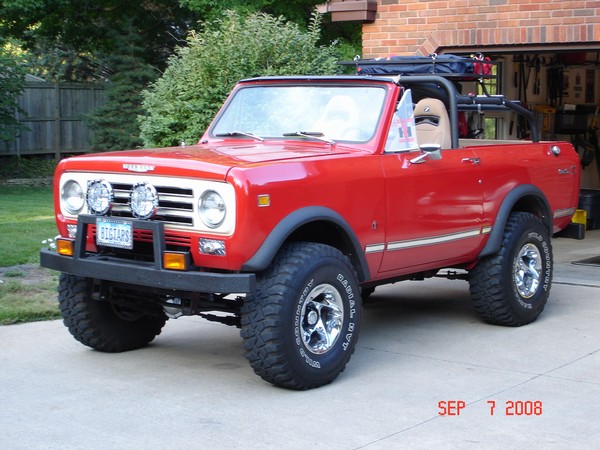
<point x="301" y="324"/>
<point x="512" y="286"/>
<point x="102" y="325"/>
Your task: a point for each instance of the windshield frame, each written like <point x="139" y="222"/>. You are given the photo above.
<point x="217" y="131"/>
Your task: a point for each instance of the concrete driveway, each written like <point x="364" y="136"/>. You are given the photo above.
<point x="427" y="373"/>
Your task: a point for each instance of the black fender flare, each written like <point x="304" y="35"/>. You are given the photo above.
<point x="495" y="241"/>
<point x="290" y="223"/>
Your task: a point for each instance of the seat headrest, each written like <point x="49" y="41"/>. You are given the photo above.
<point x="432" y="122"/>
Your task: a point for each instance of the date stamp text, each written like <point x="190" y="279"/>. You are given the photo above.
<point x="507" y="408"/>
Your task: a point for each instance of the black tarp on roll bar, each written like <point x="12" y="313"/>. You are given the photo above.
<point x="455" y="67"/>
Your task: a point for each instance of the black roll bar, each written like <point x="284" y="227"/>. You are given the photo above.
<point x="452" y="95"/>
<point x="469" y="102"/>
<point x="500" y="102"/>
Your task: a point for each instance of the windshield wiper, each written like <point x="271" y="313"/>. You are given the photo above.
<point x="240" y="133"/>
<point x="318" y="135"/>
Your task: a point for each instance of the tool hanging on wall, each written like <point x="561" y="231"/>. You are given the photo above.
<point x="537" y="64"/>
<point x="524" y="75"/>
<point x="555" y="83"/>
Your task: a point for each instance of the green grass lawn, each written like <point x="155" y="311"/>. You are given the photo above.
<point x="28" y="295"/>
<point x="26" y="219"/>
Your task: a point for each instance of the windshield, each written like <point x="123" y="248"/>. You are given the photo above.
<point x="349" y="113"/>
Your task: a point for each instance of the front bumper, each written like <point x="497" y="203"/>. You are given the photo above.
<point x="139" y="273"/>
<point x="135" y="273"/>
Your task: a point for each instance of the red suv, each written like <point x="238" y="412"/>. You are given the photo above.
<point x="303" y="195"/>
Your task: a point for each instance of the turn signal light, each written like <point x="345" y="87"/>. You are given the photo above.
<point x="64" y="247"/>
<point x="175" y="261"/>
<point x="264" y="200"/>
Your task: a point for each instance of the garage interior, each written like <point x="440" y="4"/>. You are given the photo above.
<point x="560" y="88"/>
<point x="546" y="55"/>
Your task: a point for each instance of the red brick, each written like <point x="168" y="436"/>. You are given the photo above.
<point x="409" y="25"/>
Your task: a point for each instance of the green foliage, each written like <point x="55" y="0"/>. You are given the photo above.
<point x="55" y="62"/>
<point x="114" y="125"/>
<point x="184" y="100"/>
<point x="34" y="167"/>
<point x="26" y="219"/>
<point x="64" y="37"/>
<point x="298" y="11"/>
<point x="27" y="292"/>
<point x="12" y="82"/>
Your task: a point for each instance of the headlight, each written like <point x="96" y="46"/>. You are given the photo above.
<point x="99" y="197"/>
<point x="211" y="208"/>
<point x="144" y="200"/>
<point x="72" y="196"/>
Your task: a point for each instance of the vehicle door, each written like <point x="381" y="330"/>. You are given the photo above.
<point x="433" y="202"/>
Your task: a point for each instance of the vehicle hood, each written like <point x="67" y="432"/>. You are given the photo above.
<point x="207" y="161"/>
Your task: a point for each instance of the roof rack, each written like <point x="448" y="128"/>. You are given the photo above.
<point x="456" y="68"/>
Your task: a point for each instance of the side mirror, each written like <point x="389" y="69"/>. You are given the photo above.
<point x="432" y="151"/>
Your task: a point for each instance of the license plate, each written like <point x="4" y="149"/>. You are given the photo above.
<point x="114" y="233"/>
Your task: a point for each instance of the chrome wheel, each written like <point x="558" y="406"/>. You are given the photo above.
<point x="321" y="319"/>
<point x="527" y="270"/>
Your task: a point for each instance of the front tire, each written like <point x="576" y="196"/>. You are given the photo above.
<point x="512" y="287"/>
<point x="301" y="324"/>
<point x="102" y="325"/>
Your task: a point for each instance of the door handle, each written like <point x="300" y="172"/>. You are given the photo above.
<point x="470" y="160"/>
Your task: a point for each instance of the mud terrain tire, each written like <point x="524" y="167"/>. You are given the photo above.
<point x="102" y="325"/>
<point x="301" y="324"/>
<point x="512" y="286"/>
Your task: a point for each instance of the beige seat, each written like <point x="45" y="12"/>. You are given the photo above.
<point x="432" y="123"/>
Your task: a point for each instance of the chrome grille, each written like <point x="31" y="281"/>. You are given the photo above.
<point x="171" y="239"/>
<point x="175" y="204"/>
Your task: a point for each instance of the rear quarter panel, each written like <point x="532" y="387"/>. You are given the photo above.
<point x="506" y="166"/>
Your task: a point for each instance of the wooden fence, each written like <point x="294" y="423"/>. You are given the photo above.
<point x="54" y="118"/>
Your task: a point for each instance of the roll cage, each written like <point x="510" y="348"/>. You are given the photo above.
<point x="437" y="76"/>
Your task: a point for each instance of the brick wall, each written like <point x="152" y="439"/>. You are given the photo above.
<point x="421" y="27"/>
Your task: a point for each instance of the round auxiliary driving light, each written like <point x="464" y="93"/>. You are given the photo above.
<point x="143" y="200"/>
<point x="99" y="197"/>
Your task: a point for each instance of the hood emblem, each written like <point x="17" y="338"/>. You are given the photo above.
<point x="141" y="168"/>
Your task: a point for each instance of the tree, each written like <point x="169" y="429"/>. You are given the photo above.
<point x="120" y="43"/>
<point x="348" y="34"/>
<point x="114" y="124"/>
<point x="80" y="29"/>
<point x="12" y="82"/>
<point x="298" y="11"/>
<point x="89" y="40"/>
<point x="184" y="100"/>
